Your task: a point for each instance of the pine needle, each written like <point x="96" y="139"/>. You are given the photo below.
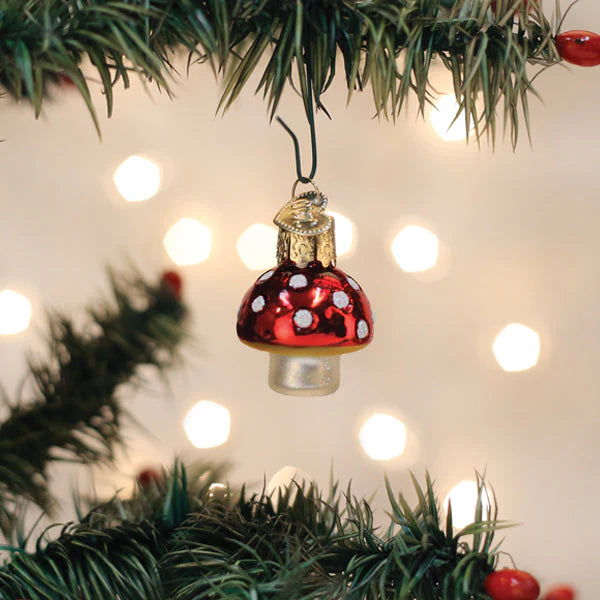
<point x="74" y="414"/>
<point x="389" y="45"/>
<point x="306" y="546"/>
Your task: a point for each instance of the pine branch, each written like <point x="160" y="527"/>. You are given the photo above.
<point x="299" y="546"/>
<point x="389" y="45"/>
<point x="75" y="414"/>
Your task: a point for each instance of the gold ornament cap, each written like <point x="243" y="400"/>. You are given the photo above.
<point x="306" y="233"/>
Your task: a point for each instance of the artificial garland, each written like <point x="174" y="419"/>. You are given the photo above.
<point x="389" y="45"/>
<point x="186" y="536"/>
<point x="74" y="413"/>
<point x="176" y="541"/>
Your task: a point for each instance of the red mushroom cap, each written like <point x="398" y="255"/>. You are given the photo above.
<point x="311" y="310"/>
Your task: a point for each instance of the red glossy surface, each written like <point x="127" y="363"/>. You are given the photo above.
<point x="560" y="592"/>
<point x="511" y="584"/>
<point x="579" y="47"/>
<point x="269" y="313"/>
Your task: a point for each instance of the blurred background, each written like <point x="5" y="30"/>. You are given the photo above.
<point x="481" y="266"/>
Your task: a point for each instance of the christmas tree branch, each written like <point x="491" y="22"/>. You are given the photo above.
<point x="75" y="413"/>
<point x="297" y="544"/>
<point x="389" y="45"/>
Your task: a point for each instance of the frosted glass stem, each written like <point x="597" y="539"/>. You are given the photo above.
<point x="304" y="375"/>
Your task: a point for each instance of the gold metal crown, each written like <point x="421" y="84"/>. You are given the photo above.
<point x="306" y="233"/>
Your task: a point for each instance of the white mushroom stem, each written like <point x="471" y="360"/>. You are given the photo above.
<point x="304" y="375"/>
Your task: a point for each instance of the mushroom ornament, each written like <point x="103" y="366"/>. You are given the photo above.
<point x="305" y="312"/>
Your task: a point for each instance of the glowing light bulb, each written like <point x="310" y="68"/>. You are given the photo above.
<point x="415" y="249"/>
<point x="218" y="491"/>
<point x="15" y="312"/>
<point x="256" y="246"/>
<point x="207" y="424"/>
<point x="188" y="242"/>
<point x="344" y="233"/>
<point x="137" y="179"/>
<point x="463" y="497"/>
<point x="383" y="437"/>
<point x="286" y="476"/>
<point x="442" y="116"/>
<point x="517" y="348"/>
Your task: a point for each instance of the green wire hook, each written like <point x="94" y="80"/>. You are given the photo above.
<point x="313" y="140"/>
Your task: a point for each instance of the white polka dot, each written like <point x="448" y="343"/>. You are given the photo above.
<point x="266" y="275"/>
<point x="303" y="318"/>
<point x="362" y="329"/>
<point x="258" y="303"/>
<point x="298" y="281"/>
<point x="353" y="283"/>
<point x="340" y="299"/>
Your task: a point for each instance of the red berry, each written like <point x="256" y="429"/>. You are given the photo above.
<point x="579" y="47"/>
<point x="64" y="80"/>
<point x="173" y="282"/>
<point x="511" y="584"/>
<point x="560" y="592"/>
<point x="148" y="477"/>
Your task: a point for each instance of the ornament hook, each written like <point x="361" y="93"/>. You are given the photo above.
<point x="308" y="180"/>
<point x="313" y="140"/>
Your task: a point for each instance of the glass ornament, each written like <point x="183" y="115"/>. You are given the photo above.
<point x="305" y="312"/>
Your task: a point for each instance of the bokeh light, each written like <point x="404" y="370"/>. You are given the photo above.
<point x="442" y="116"/>
<point x="344" y="233"/>
<point x="463" y="498"/>
<point x="383" y="437"/>
<point x="415" y="249"/>
<point x="286" y="476"/>
<point x="137" y="179"/>
<point x="207" y="424"/>
<point x="188" y="242"/>
<point x="15" y="312"/>
<point x="517" y="348"/>
<point x="257" y="246"/>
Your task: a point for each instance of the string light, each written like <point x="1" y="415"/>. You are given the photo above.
<point x="383" y="437"/>
<point x="442" y="117"/>
<point x="188" y="242"/>
<point x="256" y="246"/>
<point x="137" y="179"/>
<point x="218" y="491"/>
<point x="415" y="249"/>
<point x="463" y="497"/>
<point x="286" y="477"/>
<point x="517" y="348"/>
<point x="207" y="424"/>
<point x="344" y="233"/>
<point x="15" y="312"/>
